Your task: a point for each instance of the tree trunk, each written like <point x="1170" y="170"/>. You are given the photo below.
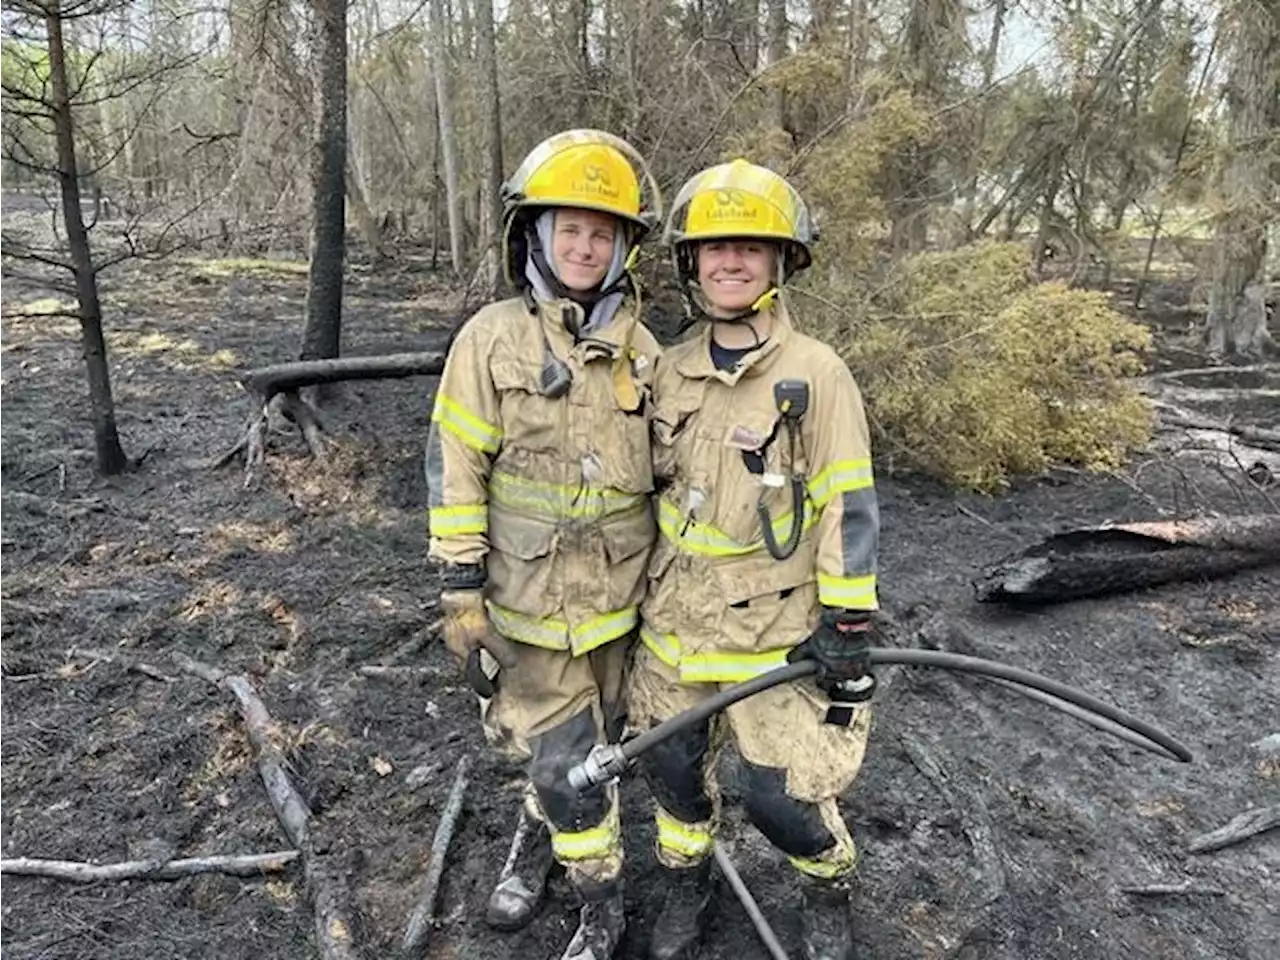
<point x="366" y="222"/>
<point x="776" y="50"/>
<point x="110" y="455"/>
<point x="1235" y="324"/>
<point x="448" y="142"/>
<point x="857" y="44"/>
<point x="323" y="336"/>
<point x="990" y="56"/>
<point x="491" y="203"/>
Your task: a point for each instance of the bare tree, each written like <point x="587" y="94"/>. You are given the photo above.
<point x="322" y="338"/>
<point x="775" y="51"/>
<point x="490" y="207"/>
<point x="1237" y="316"/>
<point x="31" y="108"/>
<point x="448" y="138"/>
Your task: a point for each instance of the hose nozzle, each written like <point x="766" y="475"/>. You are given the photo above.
<point x="605" y="762"/>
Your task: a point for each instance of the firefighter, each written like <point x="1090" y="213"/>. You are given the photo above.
<point x="767" y="553"/>
<point x="539" y="470"/>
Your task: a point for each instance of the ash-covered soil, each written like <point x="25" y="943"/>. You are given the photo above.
<point x="991" y="827"/>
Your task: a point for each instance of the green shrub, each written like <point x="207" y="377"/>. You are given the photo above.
<point x="975" y="373"/>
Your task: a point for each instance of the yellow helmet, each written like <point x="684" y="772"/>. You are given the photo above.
<point x="589" y="169"/>
<point x="740" y="199"/>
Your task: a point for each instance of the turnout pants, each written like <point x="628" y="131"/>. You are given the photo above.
<point x="795" y="766"/>
<point x="551" y="708"/>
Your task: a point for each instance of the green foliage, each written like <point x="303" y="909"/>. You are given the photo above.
<point x="977" y="373"/>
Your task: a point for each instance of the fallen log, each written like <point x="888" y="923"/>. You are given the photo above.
<point x="266" y="382"/>
<point x="1117" y="558"/>
<point x="325" y="889"/>
<point x="280" y="383"/>
<point x="1246" y="825"/>
<point x="415" y="935"/>
<point x="73" y="871"/>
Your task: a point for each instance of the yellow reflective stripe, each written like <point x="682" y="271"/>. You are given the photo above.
<point x="458" y="520"/>
<point x="552" y="634"/>
<point x="840" y="476"/>
<point x="717" y="667"/>
<point x="856" y="592"/>
<point x="548" y="634"/>
<point x="585" y="844"/>
<point x="600" y="630"/>
<point x="682" y="838"/>
<point x="823" y="869"/>
<point x="665" y="646"/>
<point x="472" y="430"/>
<point x="703" y="539"/>
<point x="559" y="501"/>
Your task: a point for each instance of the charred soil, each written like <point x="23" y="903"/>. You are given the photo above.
<point x="990" y="827"/>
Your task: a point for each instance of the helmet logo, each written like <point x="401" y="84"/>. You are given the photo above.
<point x="733" y="204"/>
<point x="596" y="183"/>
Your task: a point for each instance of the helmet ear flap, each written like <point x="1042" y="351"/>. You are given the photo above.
<point x="515" y="248"/>
<point x="686" y="262"/>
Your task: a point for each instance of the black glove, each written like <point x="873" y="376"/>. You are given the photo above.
<point x="841" y="647"/>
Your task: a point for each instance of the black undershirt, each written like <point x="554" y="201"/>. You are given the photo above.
<point x="727" y="358"/>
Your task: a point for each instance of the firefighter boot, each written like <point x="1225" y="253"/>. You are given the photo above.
<point x="524" y="881"/>
<point x="600" y="924"/>
<point x="679" y="926"/>
<point x="826" y="931"/>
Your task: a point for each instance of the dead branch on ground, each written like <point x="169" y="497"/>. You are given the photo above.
<point x="420" y="922"/>
<point x="1173" y="890"/>
<point x="1246" y="825"/>
<point x="279" y="385"/>
<point x="111" y="656"/>
<point x="326" y="891"/>
<point x="246" y="865"/>
<point x="972" y="811"/>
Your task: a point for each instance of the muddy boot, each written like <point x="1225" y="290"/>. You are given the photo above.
<point x="679" y="926"/>
<point x="600" y="924"/>
<point x="826" y="929"/>
<point x="524" y="879"/>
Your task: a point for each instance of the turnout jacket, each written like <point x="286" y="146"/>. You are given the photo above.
<point x="719" y="606"/>
<point x="551" y="494"/>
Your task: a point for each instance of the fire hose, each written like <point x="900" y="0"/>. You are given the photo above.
<point x="606" y="762"/>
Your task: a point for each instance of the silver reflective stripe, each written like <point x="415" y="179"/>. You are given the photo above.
<point x="859" y="531"/>
<point x="433" y="464"/>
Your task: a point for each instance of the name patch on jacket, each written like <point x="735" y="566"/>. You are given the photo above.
<point x="744" y="438"/>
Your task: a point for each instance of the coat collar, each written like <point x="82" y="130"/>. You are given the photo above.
<point x="697" y="365"/>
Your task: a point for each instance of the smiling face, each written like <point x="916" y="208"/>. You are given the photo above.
<point x="582" y="247"/>
<point x="734" y="274"/>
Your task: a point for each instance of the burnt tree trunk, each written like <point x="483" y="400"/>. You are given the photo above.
<point x="1100" y="561"/>
<point x="447" y="136"/>
<point x="323" y="335"/>
<point x="491" y="205"/>
<point x="110" y="455"/>
<point x="1236" y="323"/>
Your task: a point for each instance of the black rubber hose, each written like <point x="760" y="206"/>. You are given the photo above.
<point x="1085" y="716"/>
<point x="1146" y="735"/>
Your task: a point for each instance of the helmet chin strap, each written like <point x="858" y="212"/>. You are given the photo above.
<point x="695" y="307"/>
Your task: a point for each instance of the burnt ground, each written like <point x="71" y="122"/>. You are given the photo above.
<point x="991" y="827"/>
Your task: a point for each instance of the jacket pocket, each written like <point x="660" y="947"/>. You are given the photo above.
<point x="530" y="421"/>
<point x="769" y="603"/>
<point x="522" y="564"/>
<point x="627" y="545"/>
